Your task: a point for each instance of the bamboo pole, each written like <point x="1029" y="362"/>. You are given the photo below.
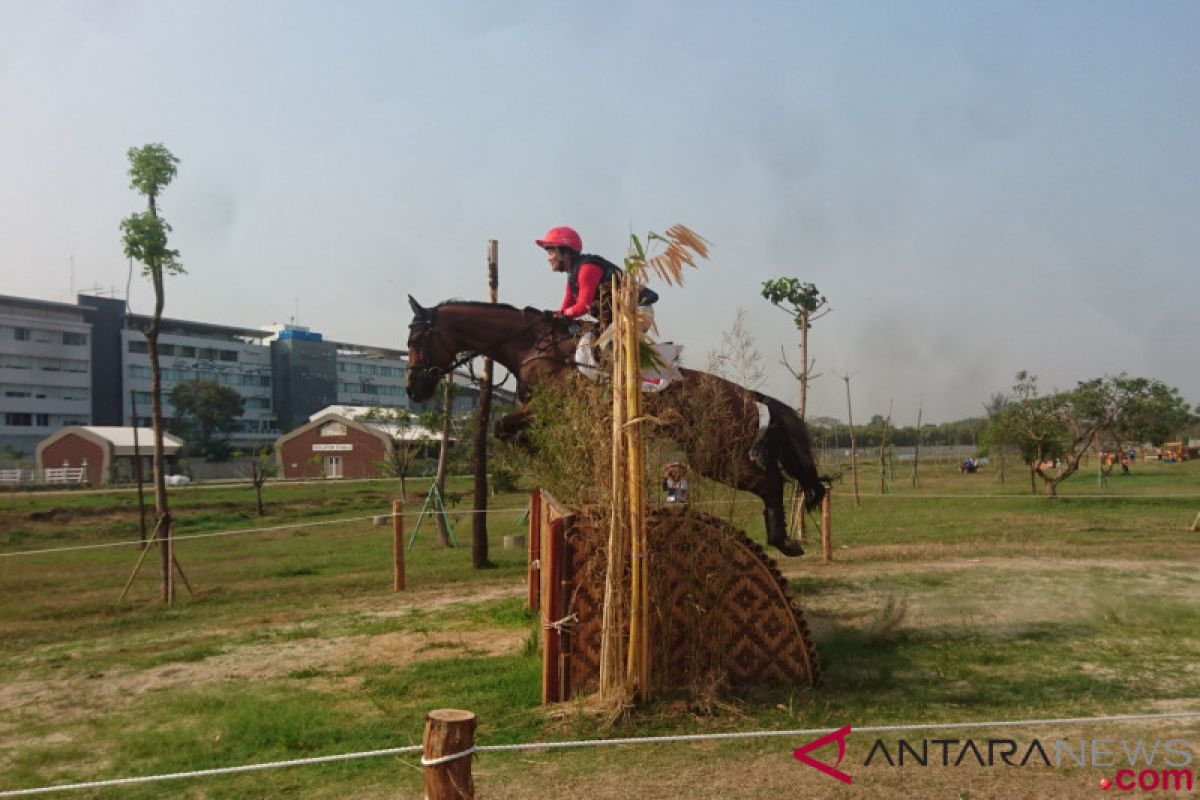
<point x="449" y="732"/>
<point x="138" y="566"/>
<point x="398" y="570"/>
<point x="612" y="654"/>
<point x="638" y="654"/>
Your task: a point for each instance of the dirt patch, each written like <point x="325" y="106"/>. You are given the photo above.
<point x="66" y="700"/>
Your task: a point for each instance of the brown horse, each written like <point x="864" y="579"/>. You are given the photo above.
<point x="536" y="345"/>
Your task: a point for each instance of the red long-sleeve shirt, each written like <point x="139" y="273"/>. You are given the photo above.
<point x="589" y="281"/>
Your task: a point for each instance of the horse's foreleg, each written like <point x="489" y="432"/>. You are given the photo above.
<point x="510" y="427"/>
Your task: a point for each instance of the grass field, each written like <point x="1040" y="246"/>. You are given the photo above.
<point x="960" y="600"/>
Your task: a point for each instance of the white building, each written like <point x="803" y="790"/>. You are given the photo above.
<point x="45" y="370"/>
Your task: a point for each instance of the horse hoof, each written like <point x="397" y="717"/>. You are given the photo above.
<point x="789" y="547"/>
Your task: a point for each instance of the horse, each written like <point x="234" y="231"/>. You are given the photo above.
<point x="536" y="346"/>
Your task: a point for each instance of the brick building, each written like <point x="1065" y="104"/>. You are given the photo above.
<point x="106" y="454"/>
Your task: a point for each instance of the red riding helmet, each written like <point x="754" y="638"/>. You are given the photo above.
<point x="562" y="236"/>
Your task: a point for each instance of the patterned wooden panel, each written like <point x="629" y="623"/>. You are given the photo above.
<point x="720" y="609"/>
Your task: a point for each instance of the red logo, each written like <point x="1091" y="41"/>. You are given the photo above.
<point x="801" y="754"/>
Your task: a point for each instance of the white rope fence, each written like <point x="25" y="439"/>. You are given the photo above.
<point x="736" y="501"/>
<point x="634" y="740"/>
<point x="237" y="531"/>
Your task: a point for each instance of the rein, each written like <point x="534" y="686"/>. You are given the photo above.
<point x="426" y="330"/>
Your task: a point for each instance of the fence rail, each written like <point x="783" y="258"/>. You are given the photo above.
<point x="65" y="475"/>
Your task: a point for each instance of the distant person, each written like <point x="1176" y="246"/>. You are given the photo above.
<point x="675" y="483"/>
<point x="968" y="467"/>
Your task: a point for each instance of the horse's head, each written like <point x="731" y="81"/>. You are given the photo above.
<point x="429" y="358"/>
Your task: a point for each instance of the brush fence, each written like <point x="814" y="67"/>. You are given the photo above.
<point x="721" y="613"/>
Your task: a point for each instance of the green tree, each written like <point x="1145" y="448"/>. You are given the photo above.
<point x="205" y="414"/>
<point x="1155" y="414"/>
<point x="1063" y="427"/>
<point x="151" y="169"/>
<point x="803" y="303"/>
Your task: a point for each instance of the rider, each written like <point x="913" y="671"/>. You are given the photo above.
<point x="589" y="277"/>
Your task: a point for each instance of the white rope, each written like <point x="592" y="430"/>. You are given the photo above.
<point x="433" y="762"/>
<point x="236" y="531"/>
<point x="205" y="773"/>
<point x="563" y="624"/>
<point x="697" y="737"/>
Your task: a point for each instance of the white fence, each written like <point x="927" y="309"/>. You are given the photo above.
<point x="53" y="475"/>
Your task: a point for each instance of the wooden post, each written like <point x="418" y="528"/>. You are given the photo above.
<point x="479" y="530"/>
<point x="552" y="611"/>
<point x="827" y="527"/>
<point x="398" y="577"/>
<point x="535" y="549"/>
<point x="1196" y="523"/>
<point x="448" y="732"/>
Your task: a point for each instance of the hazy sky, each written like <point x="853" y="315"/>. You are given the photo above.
<point x="978" y="188"/>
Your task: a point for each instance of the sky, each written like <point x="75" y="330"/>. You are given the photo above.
<point x="977" y="188"/>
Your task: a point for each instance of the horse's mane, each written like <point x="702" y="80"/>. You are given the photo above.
<point x="526" y="311"/>
<point x="479" y="304"/>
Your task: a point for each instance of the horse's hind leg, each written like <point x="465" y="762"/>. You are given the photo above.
<point x="770" y="491"/>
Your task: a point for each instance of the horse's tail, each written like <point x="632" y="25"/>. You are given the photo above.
<point x="787" y="436"/>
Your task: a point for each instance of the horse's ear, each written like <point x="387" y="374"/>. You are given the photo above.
<point x="416" y="307"/>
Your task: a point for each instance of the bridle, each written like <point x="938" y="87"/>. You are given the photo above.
<point x="420" y="341"/>
<point x="422" y="331"/>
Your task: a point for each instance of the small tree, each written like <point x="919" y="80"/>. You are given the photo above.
<point x="803" y="305"/>
<point x="151" y="169"/>
<point x="205" y="414"/>
<point x="738" y="358"/>
<point x="406" y="442"/>
<point x="993" y="437"/>
<point x="261" y="465"/>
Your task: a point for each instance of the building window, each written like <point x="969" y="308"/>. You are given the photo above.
<point x="70" y="337"/>
<point x="15" y="362"/>
<point x="137" y="346"/>
<point x="207" y="353"/>
<point x="186" y="352"/>
<point x="17" y="393"/>
<point x="42" y="420"/>
<point x="21" y="334"/>
<point x="166" y="349"/>
<point x="333" y="429"/>
<point x="18" y="420"/>
<point x="229" y="355"/>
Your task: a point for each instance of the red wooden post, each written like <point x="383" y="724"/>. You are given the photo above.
<point x="535" y="547"/>
<point x="552" y="611"/>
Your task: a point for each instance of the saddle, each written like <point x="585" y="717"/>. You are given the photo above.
<point x="654" y="379"/>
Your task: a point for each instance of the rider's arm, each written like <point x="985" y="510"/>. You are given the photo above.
<point x="566" y="303"/>
<point x="589" y="281"/>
